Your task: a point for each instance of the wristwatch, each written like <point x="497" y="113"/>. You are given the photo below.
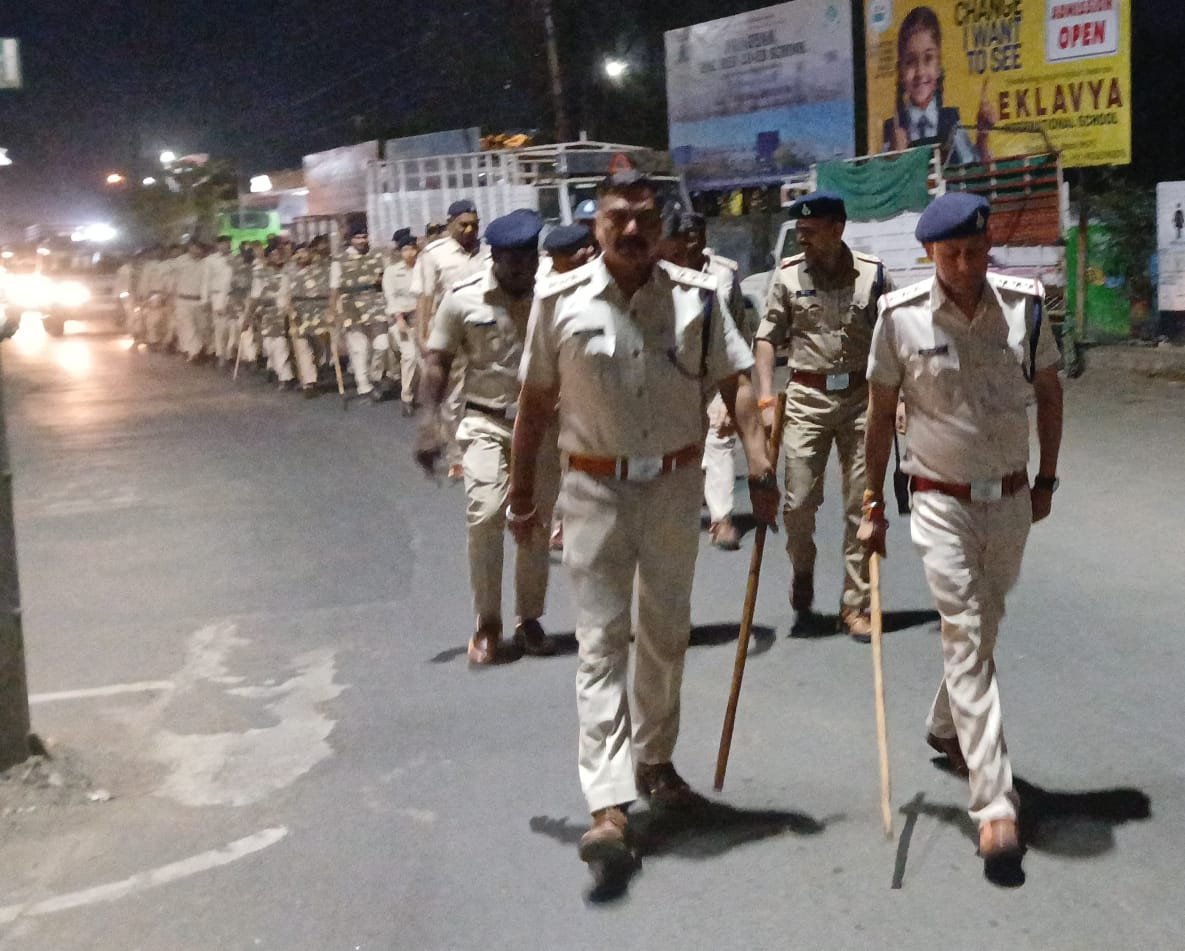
<point x="1047" y="483"/>
<point x="768" y="482"/>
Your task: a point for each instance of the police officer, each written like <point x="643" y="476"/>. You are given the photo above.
<point x="216" y="284"/>
<point x="567" y="247"/>
<point x="310" y="310"/>
<point x="822" y="305"/>
<point x="401" y="315"/>
<point x="268" y="307"/>
<point x="967" y="350"/>
<point x="243" y="266"/>
<point x="485" y="317"/>
<point x="356" y="298"/>
<point x="444" y="262"/>
<point x="621" y="345"/>
<point x="152" y="297"/>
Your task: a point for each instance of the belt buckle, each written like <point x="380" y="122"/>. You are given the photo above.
<point x="644" y="468"/>
<point x="511" y="411"/>
<point x="987" y="490"/>
<point x="838" y="381"/>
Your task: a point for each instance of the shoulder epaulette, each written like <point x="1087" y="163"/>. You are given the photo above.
<point x="685" y="275"/>
<point x="554" y="283"/>
<point x="907" y="294"/>
<point x="433" y="244"/>
<point x="468" y="280"/>
<point x="867" y="258"/>
<point x="792" y="260"/>
<point x="1022" y="285"/>
<point x="726" y="262"/>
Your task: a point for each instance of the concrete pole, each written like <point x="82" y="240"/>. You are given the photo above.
<point x="14" y="690"/>
<point x="1083" y="247"/>
<point x="563" y="132"/>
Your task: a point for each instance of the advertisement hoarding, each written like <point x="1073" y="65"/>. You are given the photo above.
<point x="1170" y="245"/>
<point x="991" y="78"/>
<point x="757" y="96"/>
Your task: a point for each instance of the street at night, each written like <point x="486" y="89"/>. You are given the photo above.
<point x="246" y="617"/>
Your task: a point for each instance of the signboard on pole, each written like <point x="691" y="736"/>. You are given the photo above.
<point x="10" y="63"/>
<point x="983" y="78"/>
<point x="760" y="95"/>
<point x="1170" y="245"/>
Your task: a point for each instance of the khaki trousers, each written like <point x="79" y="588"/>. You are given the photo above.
<point x="279" y="357"/>
<point x="971" y="553"/>
<point x="189" y="324"/>
<point x="815" y="421"/>
<point x="409" y="362"/>
<point x="452" y="410"/>
<point x="485" y="444"/>
<point x="720" y="471"/>
<point x="224" y="322"/>
<point x="136" y="319"/>
<point x="615" y="532"/>
<point x="156" y="323"/>
<point x="306" y="361"/>
<point x="358" y="346"/>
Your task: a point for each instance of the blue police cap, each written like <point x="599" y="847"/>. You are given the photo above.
<point x="356" y="228"/>
<point x="566" y="238"/>
<point x="400" y="233"/>
<point x="819" y="205"/>
<point x="404" y="238"/>
<point x="586" y="210"/>
<point x="517" y="230"/>
<point x="953" y="215"/>
<point x="462" y="207"/>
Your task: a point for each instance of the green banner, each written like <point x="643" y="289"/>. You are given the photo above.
<point x="882" y="186"/>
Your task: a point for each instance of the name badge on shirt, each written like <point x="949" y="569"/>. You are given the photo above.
<point x="940" y="351"/>
<point x="808" y="292"/>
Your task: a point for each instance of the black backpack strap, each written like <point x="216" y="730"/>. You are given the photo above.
<point x="1035" y="336"/>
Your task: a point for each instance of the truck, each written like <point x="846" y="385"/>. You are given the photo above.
<point x="1029" y="206"/>
<point x="550" y="179"/>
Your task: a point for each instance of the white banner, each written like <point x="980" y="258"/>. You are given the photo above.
<point x="1170" y="244"/>
<point x="10" y="64"/>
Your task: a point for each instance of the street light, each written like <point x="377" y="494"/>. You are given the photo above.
<point x="167" y="157"/>
<point x="261" y="184"/>
<point x="116" y="179"/>
<point x="616" y="69"/>
<point x="148" y="182"/>
<point x="4" y="159"/>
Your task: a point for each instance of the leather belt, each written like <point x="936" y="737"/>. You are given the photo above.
<point x="506" y="412"/>
<point x="983" y="490"/>
<point x="321" y="299"/>
<point x="828" y="382"/>
<point x="189" y="296"/>
<point x="636" y="468"/>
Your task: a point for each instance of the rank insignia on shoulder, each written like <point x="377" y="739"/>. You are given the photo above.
<point x="725" y="262"/>
<point x="555" y="283"/>
<point x="906" y="294"/>
<point x="685" y="275"/>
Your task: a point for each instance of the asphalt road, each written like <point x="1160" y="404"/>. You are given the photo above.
<point x="245" y="616"/>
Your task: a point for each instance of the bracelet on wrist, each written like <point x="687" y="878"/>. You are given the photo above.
<point x="516" y="519"/>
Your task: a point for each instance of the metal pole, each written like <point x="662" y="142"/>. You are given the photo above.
<point x="562" y="132"/>
<point x="14" y="689"/>
<point x="1083" y="246"/>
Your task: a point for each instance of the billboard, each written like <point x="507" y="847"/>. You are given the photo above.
<point x="754" y="97"/>
<point x="10" y="63"/>
<point x="1170" y="245"/>
<point x="990" y="78"/>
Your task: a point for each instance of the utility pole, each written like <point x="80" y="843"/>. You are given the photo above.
<point x="563" y="132"/>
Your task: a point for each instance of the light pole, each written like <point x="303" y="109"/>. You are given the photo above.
<point x="562" y="131"/>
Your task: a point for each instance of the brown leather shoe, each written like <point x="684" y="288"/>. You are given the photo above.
<point x="724" y="535"/>
<point x="999" y="839"/>
<point x="664" y="787"/>
<point x="802" y="593"/>
<point x="455" y="473"/>
<point x="948" y="746"/>
<point x="483" y="646"/>
<point x="531" y="639"/>
<point x="606" y="840"/>
<point x="858" y="625"/>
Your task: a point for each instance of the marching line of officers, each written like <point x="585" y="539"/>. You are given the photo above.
<point x="605" y="388"/>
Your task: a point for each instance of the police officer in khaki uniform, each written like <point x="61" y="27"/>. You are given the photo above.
<point x="822" y="305"/>
<point x="967" y="350"/>
<point x="441" y="264"/>
<point x="356" y="298"/>
<point x="310" y="311"/>
<point x="620" y="345"/>
<point x="268" y="307"/>
<point x="401" y="315"/>
<point x="485" y="316"/>
<point x="242" y="279"/>
<point x="216" y="284"/>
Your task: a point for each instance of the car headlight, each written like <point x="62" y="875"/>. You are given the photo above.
<point x="71" y="294"/>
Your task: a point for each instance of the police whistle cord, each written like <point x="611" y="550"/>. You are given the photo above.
<point x="878" y="692"/>
<point x="738" y="667"/>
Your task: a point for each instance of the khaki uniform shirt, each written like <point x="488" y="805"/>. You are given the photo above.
<point x="963" y="381"/>
<point x="729" y="288"/>
<point x="490" y="327"/>
<point x="271" y="288"/>
<point x="152" y="279"/>
<point x="309" y="293"/>
<point x="169" y="269"/>
<point x="827" y="325"/>
<point x="241" y="278"/>
<point x="441" y="264"/>
<point x="216" y="281"/>
<point x="628" y="369"/>
<point x="359" y="278"/>
<point x="397" y="281"/>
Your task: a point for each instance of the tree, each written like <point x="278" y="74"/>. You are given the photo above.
<point x="185" y="199"/>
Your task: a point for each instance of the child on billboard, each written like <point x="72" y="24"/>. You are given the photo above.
<point x="920" y="117"/>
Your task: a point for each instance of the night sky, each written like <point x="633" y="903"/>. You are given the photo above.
<point x="108" y="85"/>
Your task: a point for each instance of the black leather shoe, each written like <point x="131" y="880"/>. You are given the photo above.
<point x="532" y="639"/>
<point x="664" y="787"/>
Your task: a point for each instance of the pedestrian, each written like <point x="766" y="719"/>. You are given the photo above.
<point x="311" y="314"/>
<point x="456" y="255"/>
<point x="268" y="308"/>
<point x="217" y="281"/>
<point x="967" y="350"/>
<point x="125" y="278"/>
<point x="356" y="298"/>
<point x="484" y="317"/>
<point x="628" y="348"/>
<point x="685" y="243"/>
<point x="822" y="306"/>
<point x="152" y="295"/>
<point x="401" y="315"/>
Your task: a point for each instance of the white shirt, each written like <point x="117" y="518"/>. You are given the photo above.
<point x="216" y="281"/>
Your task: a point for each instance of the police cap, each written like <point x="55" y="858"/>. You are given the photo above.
<point x="518" y="230"/>
<point x="953" y="215"/>
<point x="566" y="239"/>
<point x="356" y="228"/>
<point x="461" y="207"/>
<point x="586" y="210"/>
<point x="400" y="233"/>
<point x="819" y="205"/>
<point x="402" y="240"/>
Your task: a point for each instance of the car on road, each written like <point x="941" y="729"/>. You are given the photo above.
<point x="78" y="284"/>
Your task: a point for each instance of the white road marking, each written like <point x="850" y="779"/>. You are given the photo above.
<point x="142" y="881"/>
<point x="113" y="690"/>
